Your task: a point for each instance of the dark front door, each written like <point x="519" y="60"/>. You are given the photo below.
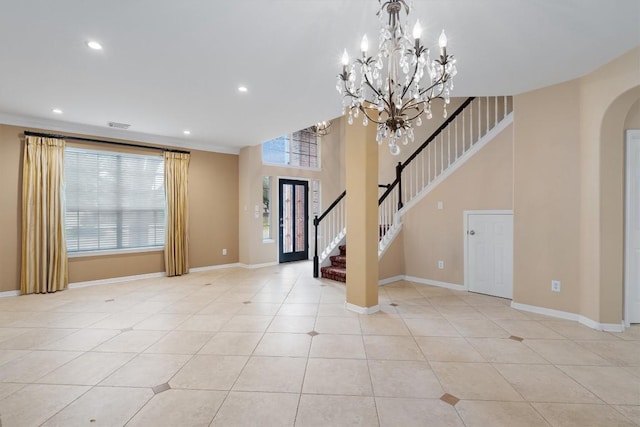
<point x="294" y="220"/>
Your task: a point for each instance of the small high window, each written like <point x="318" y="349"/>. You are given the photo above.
<point x="299" y="149"/>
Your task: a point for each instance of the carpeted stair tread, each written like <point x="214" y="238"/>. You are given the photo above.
<point x="338" y="269"/>
<point x="334" y="273"/>
<point x="338" y="261"/>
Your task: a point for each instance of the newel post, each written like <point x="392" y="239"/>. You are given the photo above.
<point x="315" y="248"/>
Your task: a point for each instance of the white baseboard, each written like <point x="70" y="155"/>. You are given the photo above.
<point x="607" y="327"/>
<point x="447" y="285"/>
<point x="116" y="280"/>
<point x="361" y="310"/>
<point x="390" y="280"/>
<point x="7" y="294"/>
<point x="214" y="267"/>
<point x="143" y="276"/>
<point x="254" y="266"/>
<point x="422" y="281"/>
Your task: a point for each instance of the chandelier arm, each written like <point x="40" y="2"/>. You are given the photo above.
<point x="368" y="83"/>
<point x="377" y="92"/>
<point x="418" y="51"/>
<point x="419" y="112"/>
<point x="392" y="108"/>
<point x="347" y="91"/>
<point x="440" y="81"/>
<point x="364" y="111"/>
<point x="413" y="76"/>
<point x="412" y="103"/>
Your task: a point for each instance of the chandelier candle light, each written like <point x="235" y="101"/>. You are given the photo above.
<point x="396" y="102"/>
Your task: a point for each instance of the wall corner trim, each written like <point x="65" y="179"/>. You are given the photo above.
<point x="606" y="327"/>
<point x="361" y="310"/>
<point x="7" y="294"/>
<point x="389" y="280"/>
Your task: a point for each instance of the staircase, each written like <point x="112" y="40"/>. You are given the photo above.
<point x="338" y="268"/>
<point x="476" y="122"/>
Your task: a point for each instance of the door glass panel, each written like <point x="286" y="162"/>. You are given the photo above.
<point x="300" y="243"/>
<point x="287" y="218"/>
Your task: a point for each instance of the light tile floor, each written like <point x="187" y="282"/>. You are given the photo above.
<point x="275" y="347"/>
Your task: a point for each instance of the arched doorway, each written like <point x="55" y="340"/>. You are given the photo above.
<point x="619" y="116"/>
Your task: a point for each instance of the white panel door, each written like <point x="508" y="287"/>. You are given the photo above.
<point x="632" y="281"/>
<point x="490" y="254"/>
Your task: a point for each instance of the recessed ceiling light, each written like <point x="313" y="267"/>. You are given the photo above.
<point x="94" y="45"/>
<point x="56" y="111"/>
<point x="242" y="89"/>
<point x="187" y="132"/>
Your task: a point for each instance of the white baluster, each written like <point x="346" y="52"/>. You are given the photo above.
<point x="487" y="114"/>
<point x="464" y="148"/>
<point x="422" y="158"/>
<point x="479" y="120"/>
<point x="441" y="154"/>
<point x="471" y="124"/>
<point x="410" y="181"/>
<point x="456" y="127"/>
<point x="428" y="164"/>
<point x="416" y="176"/>
<point x="448" y="146"/>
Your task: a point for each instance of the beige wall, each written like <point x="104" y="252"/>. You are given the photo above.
<point x="568" y="186"/>
<point x="255" y="251"/>
<point x="10" y="208"/>
<point x="213" y="194"/>
<point x="484" y="182"/>
<point x="213" y="209"/>
<point x="546" y="197"/>
<point x="391" y="264"/>
<point x="632" y="121"/>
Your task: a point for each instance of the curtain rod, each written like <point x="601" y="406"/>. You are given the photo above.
<point x="101" y="141"/>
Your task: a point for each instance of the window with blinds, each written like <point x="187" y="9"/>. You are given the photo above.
<point x="113" y="201"/>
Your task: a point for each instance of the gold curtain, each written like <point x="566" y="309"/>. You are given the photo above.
<point x="176" y="248"/>
<point x="44" y="249"/>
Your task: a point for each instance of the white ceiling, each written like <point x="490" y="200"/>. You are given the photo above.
<point x="172" y="65"/>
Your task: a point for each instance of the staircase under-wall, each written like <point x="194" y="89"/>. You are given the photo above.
<point x="464" y="133"/>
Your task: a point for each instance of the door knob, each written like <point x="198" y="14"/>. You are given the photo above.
<point x="471" y="232"/>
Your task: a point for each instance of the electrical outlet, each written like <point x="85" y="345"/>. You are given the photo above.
<point x="224" y="251"/>
<point x="441" y="265"/>
<point x="555" y="285"/>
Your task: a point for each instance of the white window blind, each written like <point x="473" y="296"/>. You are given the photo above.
<point x="113" y="200"/>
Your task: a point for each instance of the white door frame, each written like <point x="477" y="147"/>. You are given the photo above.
<point x="632" y="134"/>
<point x="465" y="221"/>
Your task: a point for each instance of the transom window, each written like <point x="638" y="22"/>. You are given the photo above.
<point x="113" y="201"/>
<point x="299" y="149"/>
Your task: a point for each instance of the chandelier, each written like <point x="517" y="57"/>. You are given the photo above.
<point x="396" y="102"/>
<point x="321" y="128"/>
